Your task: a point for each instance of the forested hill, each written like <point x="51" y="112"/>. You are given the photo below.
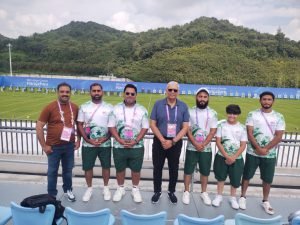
<point x="205" y="50"/>
<point x="2" y="38"/>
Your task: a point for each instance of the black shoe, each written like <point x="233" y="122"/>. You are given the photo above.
<point x="155" y="198"/>
<point x="172" y="197"/>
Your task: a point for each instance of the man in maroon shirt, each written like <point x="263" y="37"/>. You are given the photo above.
<point x="59" y="116"/>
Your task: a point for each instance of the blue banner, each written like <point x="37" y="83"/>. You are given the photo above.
<point x="158" y="88"/>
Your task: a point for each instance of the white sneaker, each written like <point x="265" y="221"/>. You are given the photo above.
<point x="217" y="201"/>
<point x="268" y="208"/>
<point x="71" y="197"/>
<point x="242" y="203"/>
<point x="106" y="193"/>
<point x="87" y="194"/>
<point x="136" y="195"/>
<point x="120" y="192"/>
<point x="186" y="197"/>
<point x="233" y="202"/>
<point x="205" y="197"/>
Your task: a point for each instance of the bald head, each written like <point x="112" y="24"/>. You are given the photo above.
<point x="173" y="85"/>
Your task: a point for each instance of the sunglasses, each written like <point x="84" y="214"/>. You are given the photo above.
<point x="129" y="93"/>
<point x="67" y="92"/>
<point x="174" y="90"/>
<point x="96" y="90"/>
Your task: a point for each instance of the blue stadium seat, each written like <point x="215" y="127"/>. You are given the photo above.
<point x="129" y="218"/>
<point x="101" y="217"/>
<point x="187" y="220"/>
<point x="23" y="215"/>
<point x="5" y="215"/>
<point x="243" y="219"/>
<point x="296" y="221"/>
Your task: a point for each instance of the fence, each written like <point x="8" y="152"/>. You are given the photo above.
<point x="19" y="137"/>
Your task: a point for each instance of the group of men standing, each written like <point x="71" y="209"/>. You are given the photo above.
<point x="170" y="120"/>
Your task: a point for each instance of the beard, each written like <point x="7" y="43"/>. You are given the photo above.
<point x="97" y="98"/>
<point x="129" y="101"/>
<point x="64" y="98"/>
<point x="267" y="106"/>
<point x="201" y="104"/>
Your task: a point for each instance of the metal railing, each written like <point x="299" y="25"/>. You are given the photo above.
<point x="19" y="137"/>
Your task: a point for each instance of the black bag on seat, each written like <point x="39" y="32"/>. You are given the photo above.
<point x="41" y="201"/>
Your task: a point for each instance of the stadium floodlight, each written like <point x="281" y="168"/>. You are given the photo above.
<point x="9" y="46"/>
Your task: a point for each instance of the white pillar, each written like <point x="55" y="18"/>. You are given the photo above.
<point x="9" y="46"/>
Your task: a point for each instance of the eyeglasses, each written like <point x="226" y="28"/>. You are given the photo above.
<point x="129" y="93"/>
<point x="174" y="90"/>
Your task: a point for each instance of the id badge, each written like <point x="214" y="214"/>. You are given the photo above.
<point x="128" y="133"/>
<point x="87" y="131"/>
<point x="66" y="134"/>
<point x="199" y="136"/>
<point x="171" y="130"/>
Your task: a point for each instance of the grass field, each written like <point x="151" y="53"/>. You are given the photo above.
<point x="27" y="105"/>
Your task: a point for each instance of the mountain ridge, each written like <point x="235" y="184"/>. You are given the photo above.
<point x="157" y="55"/>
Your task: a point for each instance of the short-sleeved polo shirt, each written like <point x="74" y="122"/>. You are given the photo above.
<point x="160" y="115"/>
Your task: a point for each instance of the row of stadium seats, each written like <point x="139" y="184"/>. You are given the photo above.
<point x="22" y="215"/>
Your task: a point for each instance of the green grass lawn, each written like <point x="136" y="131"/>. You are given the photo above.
<point x="27" y="105"/>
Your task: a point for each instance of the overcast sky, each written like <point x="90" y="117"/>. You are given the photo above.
<point x="25" y="17"/>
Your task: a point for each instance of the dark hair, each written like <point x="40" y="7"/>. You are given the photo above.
<point x="130" y="86"/>
<point x="233" y="109"/>
<point x="95" y="84"/>
<point x="266" y="93"/>
<point x="63" y="84"/>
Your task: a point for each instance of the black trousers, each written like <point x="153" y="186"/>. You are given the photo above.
<point x="159" y="156"/>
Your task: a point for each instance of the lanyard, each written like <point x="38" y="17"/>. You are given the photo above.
<point x="90" y="119"/>
<point x="62" y="118"/>
<point x="267" y="122"/>
<point x="132" y="119"/>
<point x="197" y="120"/>
<point x="168" y="114"/>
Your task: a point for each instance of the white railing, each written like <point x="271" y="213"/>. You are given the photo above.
<point x="19" y="137"/>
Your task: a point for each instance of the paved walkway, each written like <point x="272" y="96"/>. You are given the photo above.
<point x="16" y="187"/>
